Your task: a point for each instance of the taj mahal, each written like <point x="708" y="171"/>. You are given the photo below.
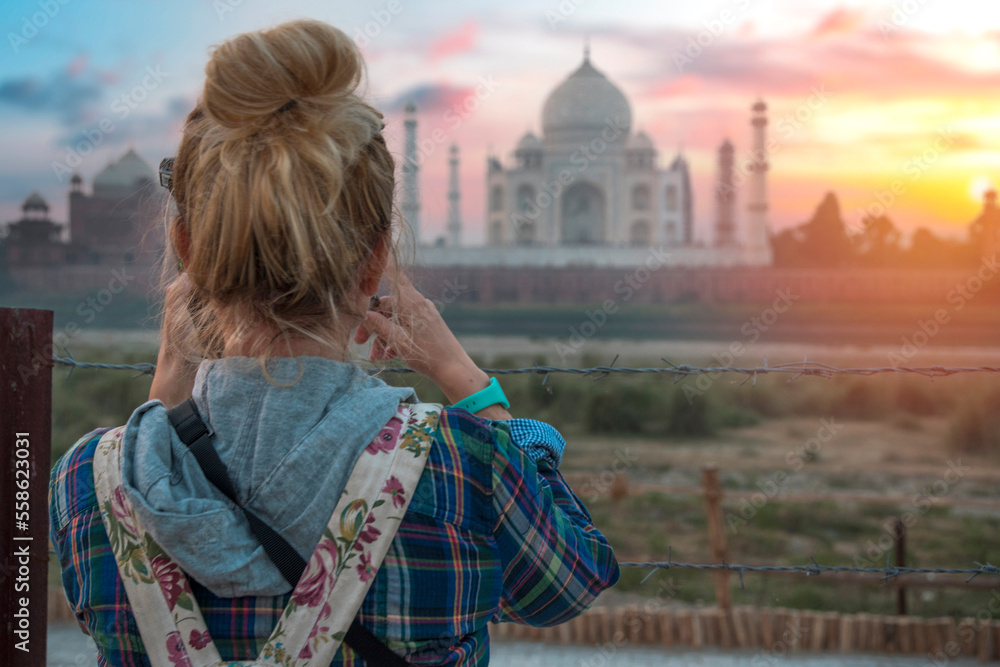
<point x="589" y="191"/>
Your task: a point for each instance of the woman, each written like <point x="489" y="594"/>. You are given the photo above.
<point x="283" y="188"/>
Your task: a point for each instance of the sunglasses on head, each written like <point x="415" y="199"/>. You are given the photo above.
<point x="167" y="172"/>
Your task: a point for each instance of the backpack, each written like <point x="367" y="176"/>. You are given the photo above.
<point x="341" y="568"/>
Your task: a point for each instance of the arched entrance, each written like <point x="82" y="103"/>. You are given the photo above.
<point x="583" y="214"/>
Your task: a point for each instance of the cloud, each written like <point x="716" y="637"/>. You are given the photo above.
<point x="840" y="21"/>
<point x="852" y="58"/>
<point x="461" y="40"/>
<point x="429" y="97"/>
<point x="68" y="97"/>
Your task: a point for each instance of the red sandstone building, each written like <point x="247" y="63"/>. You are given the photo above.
<point x="116" y="226"/>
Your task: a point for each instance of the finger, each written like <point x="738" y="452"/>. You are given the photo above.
<point x="361" y="334"/>
<point x="386" y="305"/>
<point x="378" y="350"/>
<point x="385" y="331"/>
<point x="399" y="279"/>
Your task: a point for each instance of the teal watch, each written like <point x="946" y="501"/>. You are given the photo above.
<point x="484" y="398"/>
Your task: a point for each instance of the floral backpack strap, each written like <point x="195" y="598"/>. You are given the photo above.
<point x="356" y="540"/>
<point x="353" y="544"/>
<point x="170" y="623"/>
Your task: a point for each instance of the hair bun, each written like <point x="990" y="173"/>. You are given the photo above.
<point x="304" y="63"/>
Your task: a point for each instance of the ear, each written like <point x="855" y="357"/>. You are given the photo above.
<point x="181" y="240"/>
<point x="372" y="270"/>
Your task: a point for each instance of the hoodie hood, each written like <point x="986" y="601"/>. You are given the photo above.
<point x="289" y="451"/>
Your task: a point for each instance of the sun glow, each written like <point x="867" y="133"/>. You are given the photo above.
<point x="980" y="186"/>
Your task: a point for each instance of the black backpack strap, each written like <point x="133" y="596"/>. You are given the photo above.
<point x="194" y="433"/>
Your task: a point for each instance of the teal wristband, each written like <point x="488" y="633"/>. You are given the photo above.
<point x="484" y="398"/>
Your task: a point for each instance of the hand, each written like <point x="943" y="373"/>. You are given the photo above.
<point x="409" y="326"/>
<point x="174" y="378"/>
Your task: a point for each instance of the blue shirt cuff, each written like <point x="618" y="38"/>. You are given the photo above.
<point x="538" y="440"/>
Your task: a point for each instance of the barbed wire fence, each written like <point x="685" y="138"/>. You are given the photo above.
<point x="678" y="372"/>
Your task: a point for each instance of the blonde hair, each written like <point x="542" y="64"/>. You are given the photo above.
<point x="284" y="186"/>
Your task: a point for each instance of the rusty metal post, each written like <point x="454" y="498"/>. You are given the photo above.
<point x="716" y="534"/>
<point x="25" y="446"/>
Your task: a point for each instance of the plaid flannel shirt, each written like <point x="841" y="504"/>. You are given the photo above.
<point x="489" y="535"/>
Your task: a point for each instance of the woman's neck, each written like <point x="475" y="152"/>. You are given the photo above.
<point x="261" y="342"/>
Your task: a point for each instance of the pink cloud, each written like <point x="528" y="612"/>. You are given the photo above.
<point x="687" y="84"/>
<point x="461" y="40"/>
<point x="747" y="28"/>
<point x="77" y="65"/>
<point x="840" y="21"/>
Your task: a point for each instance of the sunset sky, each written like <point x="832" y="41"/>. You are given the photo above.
<point x="862" y="94"/>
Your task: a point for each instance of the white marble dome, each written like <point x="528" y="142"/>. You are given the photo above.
<point x="529" y="142"/>
<point x="640" y="141"/>
<point x="579" y="109"/>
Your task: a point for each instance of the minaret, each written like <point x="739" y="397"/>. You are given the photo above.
<point x="411" y="185"/>
<point x="680" y="165"/>
<point x="725" y="198"/>
<point x="758" y="242"/>
<point x="454" y="215"/>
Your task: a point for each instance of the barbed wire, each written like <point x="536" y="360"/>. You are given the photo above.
<point x="677" y="371"/>
<point x="814" y="569"/>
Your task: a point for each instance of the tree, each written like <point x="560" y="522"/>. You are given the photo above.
<point x="878" y="243"/>
<point x="820" y="242"/>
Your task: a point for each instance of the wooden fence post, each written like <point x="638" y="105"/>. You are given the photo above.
<point x="900" y="529"/>
<point x="25" y="446"/>
<point x="716" y="533"/>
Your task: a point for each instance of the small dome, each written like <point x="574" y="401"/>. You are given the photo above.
<point x="640" y="141"/>
<point x="760" y="107"/>
<point x="410" y="108"/>
<point x="582" y="106"/>
<point x="129" y="172"/>
<point x="529" y="142"/>
<point x="726" y="147"/>
<point x="76" y="179"/>
<point x="35" y="202"/>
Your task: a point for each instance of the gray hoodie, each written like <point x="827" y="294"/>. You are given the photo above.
<point x="288" y="450"/>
